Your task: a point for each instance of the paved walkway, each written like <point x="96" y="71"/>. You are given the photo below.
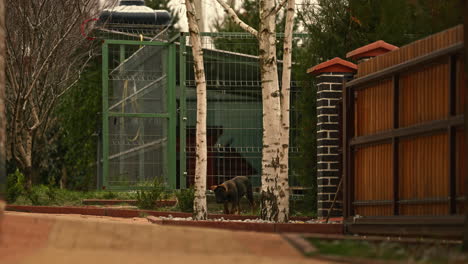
<point x="37" y="238"/>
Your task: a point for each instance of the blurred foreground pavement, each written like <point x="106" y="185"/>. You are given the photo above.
<point x="40" y="238"/>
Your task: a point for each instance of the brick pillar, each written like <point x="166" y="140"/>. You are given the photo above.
<point x="329" y="78"/>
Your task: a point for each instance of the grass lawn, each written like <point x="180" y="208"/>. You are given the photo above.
<point x="406" y="253"/>
<point x="50" y="196"/>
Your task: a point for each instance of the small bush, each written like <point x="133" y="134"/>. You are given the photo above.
<point x="146" y="199"/>
<point x="38" y="195"/>
<point x="109" y="195"/>
<point x="185" y="199"/>
<point x="52" y="193"/>
<point x="15" y="183"/>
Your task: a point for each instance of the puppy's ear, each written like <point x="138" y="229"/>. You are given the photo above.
<point x="213" y="187"/>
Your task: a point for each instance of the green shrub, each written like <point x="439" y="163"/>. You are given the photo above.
<point x="15" y="183"/>
<point x="109" y="195"/>
<point x="37" y="195"/>
<point x="52" y="193"/>
<point x="146" y="199"/>
<point x="185" y="199"/>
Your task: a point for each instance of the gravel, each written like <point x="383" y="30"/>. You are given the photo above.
<point x="255" y="220"/>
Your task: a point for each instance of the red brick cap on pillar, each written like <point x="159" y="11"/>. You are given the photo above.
<point x="334" y="65"/>
<point x="371" y="50"/>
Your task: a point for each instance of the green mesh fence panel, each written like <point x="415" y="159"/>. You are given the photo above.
<point x="140" y="135"/>
<point x="138" y="92"/>
<point x="234" y="117"/>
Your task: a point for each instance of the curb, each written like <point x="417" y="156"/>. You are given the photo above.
<point x="335" y="229"/>
<point x="125" y="213"/>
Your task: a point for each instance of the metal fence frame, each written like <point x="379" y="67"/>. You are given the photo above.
<point x="177" y="116"/>
<point x="171" y="114"/>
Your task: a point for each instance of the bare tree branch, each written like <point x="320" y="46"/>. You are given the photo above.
<point x="46" y="54"/>
<point x="278" y="8"/>
<point x="232" y="14"/>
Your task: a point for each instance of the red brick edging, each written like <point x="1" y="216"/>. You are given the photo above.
<point x="246" y="226"/>
<point x="126" y="213"/>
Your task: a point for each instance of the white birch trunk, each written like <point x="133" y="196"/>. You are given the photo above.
<point x="283" y="183"/>
<point x="271" y="112"/>
<point x="199" y="205"/>
<point x="275" y="186"/>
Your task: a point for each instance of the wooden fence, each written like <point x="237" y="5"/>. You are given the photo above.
<point x="404" y="140"/>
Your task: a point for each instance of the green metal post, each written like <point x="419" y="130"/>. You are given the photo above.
<point x="105" y="113"/>
<point x="172" y="155"/>
<point x="182" y="113"/>
<point x="122" y="124"/>
<point x="122" y="53"/>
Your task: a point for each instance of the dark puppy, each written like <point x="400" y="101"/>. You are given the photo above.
<point x="231" y="191"/>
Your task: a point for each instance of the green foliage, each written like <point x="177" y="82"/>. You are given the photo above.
<point x="339" y="26"/>
<point x="15" y="183"/>
<point x="146" y="199"/>
<point x="303" y="205"/>
<point x="49" y="195"/>
<point x="74" y="157"/>
<point x="185" y="199"/>
<point x="109" y="195"/>
<point x="361" y="249"/>
<point x="410" y="252"/>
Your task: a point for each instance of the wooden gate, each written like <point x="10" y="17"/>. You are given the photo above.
<point x="404" y="140"/>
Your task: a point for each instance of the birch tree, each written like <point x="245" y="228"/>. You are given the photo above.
<point x="275" y="186"/>
<point x="199" y="205"/>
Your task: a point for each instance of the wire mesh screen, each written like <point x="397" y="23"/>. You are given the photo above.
<point x="234" y="116"/>
<point x="137" y="93"/>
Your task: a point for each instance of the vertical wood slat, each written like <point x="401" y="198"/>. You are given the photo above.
<point x="345" y="142"/>
<point x="348" y="157"/>
<point x="395" y="143"/>
<point x="452" y="134"/>
<point x="352" y="100"/>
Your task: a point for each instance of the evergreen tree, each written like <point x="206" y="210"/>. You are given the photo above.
<point x="75" y="154"/>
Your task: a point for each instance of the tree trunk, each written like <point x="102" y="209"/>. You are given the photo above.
<point x="275" y="186"/>
<point x="283" y="177"/>
<point x="199" y="205"/>
<point x="25" y="158"/>
<point x="272" y="149"/>
<point x="63" y="178"/>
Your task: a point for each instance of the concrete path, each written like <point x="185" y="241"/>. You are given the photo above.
<point x="37" y="238"/>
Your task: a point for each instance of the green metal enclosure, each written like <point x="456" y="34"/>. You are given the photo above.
<point x="149" y="111"/>
<point x="139" y="113"/>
